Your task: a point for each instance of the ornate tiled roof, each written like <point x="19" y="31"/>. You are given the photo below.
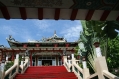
<point x="54" y="38"/>
<point x="54" y="41"/>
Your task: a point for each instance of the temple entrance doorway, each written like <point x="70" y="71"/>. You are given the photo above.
<point x="47" y="62"/>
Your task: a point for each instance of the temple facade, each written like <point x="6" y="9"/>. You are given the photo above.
<point x="44" y="52"/>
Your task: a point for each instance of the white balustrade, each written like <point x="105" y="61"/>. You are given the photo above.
<point x="17" y="56"/>
<point x="109" y="75"/>
<point x="24" y="64"/>
<point x="9" y="71"/>
<point x="2" y="66"/>
<point x="84" y="64"/>
<point x="85" y="71"/>
<point x="76" y="69"/>
<point x="72" y="56"/>
<point x="67" y="63"/>
<point x="98" y="52"/>
<point x="6" y="58"/>
<point x="74" y="66"/>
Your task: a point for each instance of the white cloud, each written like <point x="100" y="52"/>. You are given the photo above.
<point x="72" y="32"/>
<point x="7" y="30"/>
<point x="16" y="32"/>
<point x="41" y="24"/>
<point x="25" y="35"/>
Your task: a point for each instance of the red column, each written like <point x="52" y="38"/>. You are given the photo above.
<point x="3" y="57"/>
<point x="13" y="56"/>
<point x="62" y="59"/>
<point x="31" y="59"/>
<point x="0" y="57"/>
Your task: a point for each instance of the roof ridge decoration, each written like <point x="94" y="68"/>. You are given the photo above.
<point x="54" y="38"/>
<point x="11" y="38"/>
<point x="55" y="35"/>
<point x="2" y="46"/>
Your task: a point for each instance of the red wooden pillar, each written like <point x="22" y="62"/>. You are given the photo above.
<point x="67" y="45"/>
<point x="31" y="59"/>
<point x="62" y="59"/>
<point x="0" y="56"/>
<point x="56" y="60"/>
<point x="12" y="56"/>
<point x="36" y="61"/>
<point x="3" y="57"/>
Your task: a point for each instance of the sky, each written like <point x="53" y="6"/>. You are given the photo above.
<point x="32" y="29"/>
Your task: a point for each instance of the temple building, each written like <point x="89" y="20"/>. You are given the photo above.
<point x="44" y="52"/>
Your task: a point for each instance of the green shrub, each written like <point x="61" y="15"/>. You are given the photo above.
<point x="8" y="65"/>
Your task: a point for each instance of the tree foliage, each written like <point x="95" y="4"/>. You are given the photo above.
<point x="113" y="55"/>
<point x="8" y="65"/>
<point x="103" y="32"/>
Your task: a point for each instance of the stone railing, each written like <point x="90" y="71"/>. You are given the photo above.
<point x="12" y="71"/>
<point x="74" y="67"/>
<point x="68" y="66"/>
<point x="83" y="73"/>
<point x="77" y="70"/>
<point x="109" y="75"/>
<point x="24" y="65"/>
<point x="0" y="72"/>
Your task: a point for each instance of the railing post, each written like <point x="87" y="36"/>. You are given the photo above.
<point x="100" y="62"/>
<point x="73" y="61"/>
<point x="10" y="74"/>
<point x="69" y="61"/>
<point x="6" y="60"/>
<point x="64" y="59"/>
<point x="22" y="64"/>
<point x="86" y="73"/>
<point x="16" y="61"/>
<point x="2" y="72"/>
<point x="27" y="60"/>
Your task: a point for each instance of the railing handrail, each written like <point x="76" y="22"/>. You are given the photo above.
<point x="10" y="69"/>
<point x="24" y="66"/>
<point x="78" y="67"/>
<point x="67" y="65"/>
<point x="26" y="62"/>
<point x="79" y="72"/>
<point x="109" y="75"/>
<point x="75" y="60"/>
<point x="93" y="75"/>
